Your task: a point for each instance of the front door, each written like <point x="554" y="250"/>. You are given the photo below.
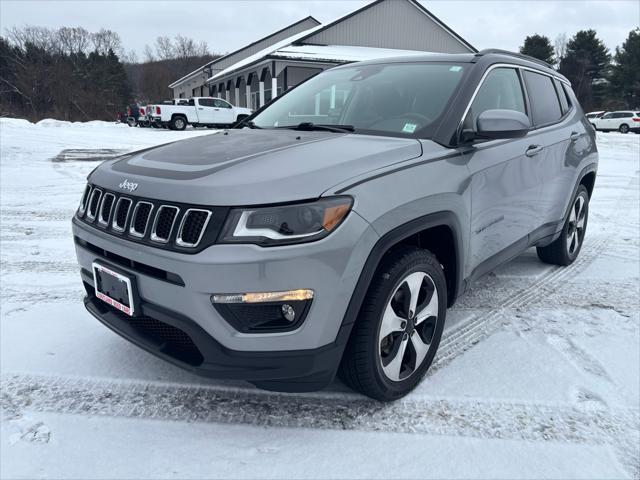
<point x="223" y="112"/>
<point x="206" y="111"/>
<point x="505" y="184"/>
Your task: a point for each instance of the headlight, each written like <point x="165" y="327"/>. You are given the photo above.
<point x="286" y="224"/>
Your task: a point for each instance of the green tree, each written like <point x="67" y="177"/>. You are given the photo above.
<point x="625" y="75"/>
<point x="587" y="65"/>
<point x="539" y="46"/>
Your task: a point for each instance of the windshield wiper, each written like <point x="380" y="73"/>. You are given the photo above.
<point x="246" y="123"/>
<point x="309" y="126"/>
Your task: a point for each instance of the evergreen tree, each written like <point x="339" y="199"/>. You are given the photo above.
<point x="539" y="46"/>
<point x="587" y="64"/>
<point x="625" y="76"/>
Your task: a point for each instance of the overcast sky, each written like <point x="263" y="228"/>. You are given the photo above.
<point x="228" y="25"/>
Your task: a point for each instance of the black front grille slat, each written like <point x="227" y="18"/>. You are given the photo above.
<point x="193" y="225"/>
<point x="150" y="221"/>
<point x="163" y="224"/>
<point x="105" y="210"/>
<point x="122" y="213"/>
<point x="93" y="203"/>
<point x="140" y="219"/>
<point x="85" y="200"/>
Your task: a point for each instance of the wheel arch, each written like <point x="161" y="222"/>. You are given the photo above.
<point x="439" y="232"/>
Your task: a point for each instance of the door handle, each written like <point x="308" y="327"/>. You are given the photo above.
<point x="217" y="109"/>
<point x="575" y="136"/>
<point x="533" y="150"/>
<point x="200" y="108"/>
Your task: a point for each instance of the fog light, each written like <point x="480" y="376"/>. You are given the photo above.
<point x="288" y="312"/>
<point x="263" y="297"/>
<point x="265" y="311"/>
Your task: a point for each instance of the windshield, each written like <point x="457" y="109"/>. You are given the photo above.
<point x="400" y="99"/>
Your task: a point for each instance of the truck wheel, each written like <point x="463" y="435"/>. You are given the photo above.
<point x="178" y="123"/>
<point x="399" y="326"/>
<point x="565" y="249"/>
<point x="624" y="128"/>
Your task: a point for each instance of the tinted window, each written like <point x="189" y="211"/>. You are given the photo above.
<point x="206" y="102"/>
<point x="191" y="102"/>
<point x="564" y="101"/>
<point x="625" y="115"/>
<point x="607" y="115"/>
<point x="501" y="89"/>
<point x="220" y="103"/>
<point x="545" y="106"/>
<point x="403" y="99"/>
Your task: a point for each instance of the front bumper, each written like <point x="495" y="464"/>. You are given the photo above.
<point x="330" y="267"/>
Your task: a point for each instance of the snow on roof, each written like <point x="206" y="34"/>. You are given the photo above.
<point x="263" y="53"/>
<point x="340" y="53"/>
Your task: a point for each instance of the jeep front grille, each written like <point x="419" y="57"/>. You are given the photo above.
<point x="105" y="209"/>
<point x="163" y="223"/>
<point x="140" y="219"/>
<point x="181" y="227"/>
<point x="122" y="214"/>
<point x="96" y="194"/>
<point x="194" y="222"/>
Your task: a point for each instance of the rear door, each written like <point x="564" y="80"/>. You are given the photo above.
<point x="560" y="135"/>
<point x="505" y="183"/>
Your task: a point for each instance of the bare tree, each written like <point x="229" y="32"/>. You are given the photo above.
<point x="560" y="46"/>
<point x="105" y="40"/>
<point x="73" y="40"/>
<point x="164" y="48"/>
<point x="40" y="37"/>
<point x="130" y="57"/>
<point x="148" y="54"/>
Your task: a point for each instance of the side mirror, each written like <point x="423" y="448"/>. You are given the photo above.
<point x="496" y="124"/>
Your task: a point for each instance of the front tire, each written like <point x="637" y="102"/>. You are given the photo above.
<point x="399" y="326"/>
<point x="565" y="249"/>
<point x="624" y="128"/>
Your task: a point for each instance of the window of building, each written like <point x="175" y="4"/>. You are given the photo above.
<point x="545" y="106"/>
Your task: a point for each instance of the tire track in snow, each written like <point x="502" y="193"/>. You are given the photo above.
<point x="481" y="419"/>
<point x="462" y="338"/>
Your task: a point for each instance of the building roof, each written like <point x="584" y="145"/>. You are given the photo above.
<point x="262" y="53"/>
<point x="418" y="5"/>
<point x="240" y="50"/>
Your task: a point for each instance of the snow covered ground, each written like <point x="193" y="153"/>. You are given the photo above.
<point x="538" y="375"/>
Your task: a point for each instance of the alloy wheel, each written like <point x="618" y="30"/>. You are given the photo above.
<point x="577" y="220"/>
<point x="408" y="324"/>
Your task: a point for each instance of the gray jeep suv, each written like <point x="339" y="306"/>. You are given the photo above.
<point x="329" y="232"/>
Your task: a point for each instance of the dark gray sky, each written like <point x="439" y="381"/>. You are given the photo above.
<point x="228" y="25"/>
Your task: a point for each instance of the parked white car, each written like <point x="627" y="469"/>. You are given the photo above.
<point x="199" y="112"/>
<point x="622" y="121"/>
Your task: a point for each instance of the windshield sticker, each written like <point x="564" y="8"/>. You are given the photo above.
<point x="455" y="68"/>
<point x="409" y="127"/>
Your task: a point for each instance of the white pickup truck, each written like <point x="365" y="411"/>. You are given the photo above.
<point x="198" y="111"/>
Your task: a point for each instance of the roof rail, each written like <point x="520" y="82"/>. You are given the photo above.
<point x="513" y="54"/>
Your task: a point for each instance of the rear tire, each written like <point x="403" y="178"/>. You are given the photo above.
<point x="178" y="123"/>
<point x="624" y="128"/>
<point x="565" y="249"/>
<point x="391" y="347"/>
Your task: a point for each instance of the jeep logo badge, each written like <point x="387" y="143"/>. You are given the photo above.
<point x="127" y="185"/>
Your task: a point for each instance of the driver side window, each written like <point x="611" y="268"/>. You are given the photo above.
<point x="502" y="90"/>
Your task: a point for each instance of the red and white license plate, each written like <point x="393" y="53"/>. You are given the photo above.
<point x="113" y="288"/>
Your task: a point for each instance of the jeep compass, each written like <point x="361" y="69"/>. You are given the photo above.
<point x="329" y="232"/>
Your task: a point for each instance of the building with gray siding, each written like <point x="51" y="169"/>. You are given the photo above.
<point x="383" y="28"/>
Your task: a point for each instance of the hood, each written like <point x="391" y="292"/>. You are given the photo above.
<point x="249" y="167"/>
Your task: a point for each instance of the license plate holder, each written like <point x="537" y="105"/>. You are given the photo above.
<point x="114" y="288"/>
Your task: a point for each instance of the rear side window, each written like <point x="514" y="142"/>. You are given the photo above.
<point x="502" y="90"/>
<point x="206" y="102"/>
<point x="545" y="106"/>
<point x="565" y="103"/>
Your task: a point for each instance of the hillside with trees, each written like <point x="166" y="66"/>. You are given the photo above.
<point x="73" y="74"/>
